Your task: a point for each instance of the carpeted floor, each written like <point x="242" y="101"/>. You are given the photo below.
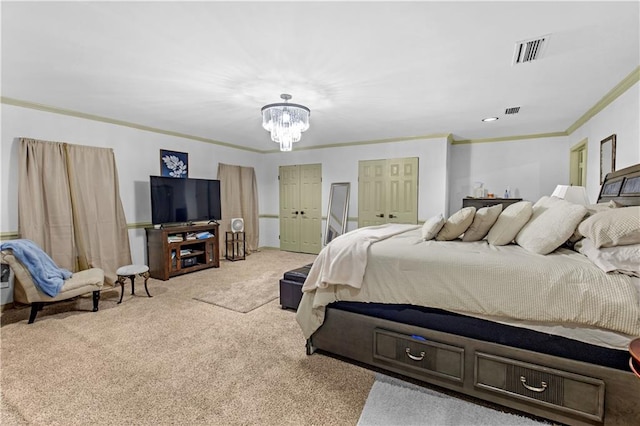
<point x="171" y="359"/>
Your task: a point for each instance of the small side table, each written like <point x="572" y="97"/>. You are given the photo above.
<point x="235" y="246"/>
<point x="130" y="271"/>
<point x="634" y="361"/>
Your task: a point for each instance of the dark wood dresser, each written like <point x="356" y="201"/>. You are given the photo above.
<point x="479" y="203"/>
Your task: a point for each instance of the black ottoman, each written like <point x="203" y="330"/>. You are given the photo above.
<point x="291" y="287"/>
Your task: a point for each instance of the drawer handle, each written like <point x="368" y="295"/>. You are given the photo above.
<point x="413" y="357"/>
<point x="533" y="388"/>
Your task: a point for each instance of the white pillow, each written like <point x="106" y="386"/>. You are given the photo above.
<point x="509" y="223"/>
<point x="613" y="227"/>
<point x="591" y="210"/>
<point x="432" y="226"/>
<point x="620" y="259"/>
<point x="456" y="224"/>
<point x="482" y="223"/>
<point x="551" y="224"/>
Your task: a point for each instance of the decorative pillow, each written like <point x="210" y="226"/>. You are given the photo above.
<point x="456" y="224"/>
<point x="432" y="226"/>
<point x="613" y="227"/>
<point x="509" y="223"/>
<point x="621" y="259"/>
<point x="482" y="222"/>
<point x="550" y="226"/>
<point x="591" y="210"/>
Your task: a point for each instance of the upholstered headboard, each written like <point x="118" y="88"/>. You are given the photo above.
<point x="622" y="186"/>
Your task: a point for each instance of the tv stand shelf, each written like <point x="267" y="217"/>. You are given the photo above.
<point x="175" y="251"/>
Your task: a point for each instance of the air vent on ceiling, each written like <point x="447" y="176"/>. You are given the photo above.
<point x="512" y="110"/>
<point x="529" y="50"/>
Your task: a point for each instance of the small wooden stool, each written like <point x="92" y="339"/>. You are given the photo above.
<point x="130" y="271"/>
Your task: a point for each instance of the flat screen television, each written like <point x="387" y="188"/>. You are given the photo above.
<point x="184" y="200"/>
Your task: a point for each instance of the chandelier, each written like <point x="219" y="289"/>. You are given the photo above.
<point x="285" y="121"/>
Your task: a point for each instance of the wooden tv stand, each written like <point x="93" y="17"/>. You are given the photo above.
<point x="172" y="251"/>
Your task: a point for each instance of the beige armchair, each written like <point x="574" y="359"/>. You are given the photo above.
<point x="25" y="291"/>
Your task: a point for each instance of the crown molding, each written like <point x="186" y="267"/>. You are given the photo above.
<point x="611" y="96"/>
<point x="78" y="114"/>
<point x="374" y="141"/>
<point x="509" y="138"/>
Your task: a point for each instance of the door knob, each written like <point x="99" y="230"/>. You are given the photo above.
<point x="391" y="216"/>
<point x="301" y="212"/>
<point x="380" y="215"/>
<point x="295" y="212"/>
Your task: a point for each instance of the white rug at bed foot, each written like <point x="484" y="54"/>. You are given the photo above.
<point x="395" y="402"/>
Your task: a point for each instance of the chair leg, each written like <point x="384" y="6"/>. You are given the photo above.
<point x="96" y="299"/>
<point x="35" y="307"/>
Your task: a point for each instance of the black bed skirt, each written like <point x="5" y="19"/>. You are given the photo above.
<point x="475" y="328"/>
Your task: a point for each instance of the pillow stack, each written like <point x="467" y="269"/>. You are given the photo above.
<point x="612" y="240"/>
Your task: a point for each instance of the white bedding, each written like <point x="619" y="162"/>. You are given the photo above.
<point x="563" y="289"/>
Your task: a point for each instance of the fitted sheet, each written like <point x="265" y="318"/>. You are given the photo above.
<point x="504" y="283"/>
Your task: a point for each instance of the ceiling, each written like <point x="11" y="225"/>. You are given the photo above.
<point x="367" y="71"/>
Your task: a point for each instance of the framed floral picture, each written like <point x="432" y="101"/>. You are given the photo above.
<point x="174" y="164"/>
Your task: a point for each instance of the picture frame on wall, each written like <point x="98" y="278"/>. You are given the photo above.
<point x="607" y="156"/>
<point x="174" y="164"/>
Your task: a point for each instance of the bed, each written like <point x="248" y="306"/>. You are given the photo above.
<point x="543" y="334"/>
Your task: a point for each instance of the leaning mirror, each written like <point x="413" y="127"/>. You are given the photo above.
<point x="337" y="211"/>
<point x="607" y="156"/>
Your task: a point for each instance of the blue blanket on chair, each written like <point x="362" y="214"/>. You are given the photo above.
<point x="47" y="276"/>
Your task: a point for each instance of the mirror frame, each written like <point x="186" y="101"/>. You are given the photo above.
<point x="332" y="232"/>
<point x="607" y="151"/>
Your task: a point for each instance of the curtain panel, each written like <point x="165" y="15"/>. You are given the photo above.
<point x="239" y="197"/>
<point x="44" y="200"/>
<point x="69" y="204"/>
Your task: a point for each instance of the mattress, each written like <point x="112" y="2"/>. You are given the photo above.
<point x="562" y="291"/>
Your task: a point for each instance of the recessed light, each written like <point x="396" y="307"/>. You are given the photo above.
<point x="489" y="119"/>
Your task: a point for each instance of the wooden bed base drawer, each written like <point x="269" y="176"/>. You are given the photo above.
<point x="419" y="354"/>
<point x="573" y="393"/>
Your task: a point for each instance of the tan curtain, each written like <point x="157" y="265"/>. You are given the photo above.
<point x="102" y="237"/>
<point x="239" y="198"/>
<point x="69" y="204"/>
<point x="44" y="201"/>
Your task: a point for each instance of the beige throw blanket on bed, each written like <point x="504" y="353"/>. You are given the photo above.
<point x="343" y="261"/>
<point x="478" y="279"/>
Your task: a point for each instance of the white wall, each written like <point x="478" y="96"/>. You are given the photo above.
<point x="137" y="154"/>
<point x="622" y="118"/>
<point x="341" y="165"/>
<point x="531" y="168"/>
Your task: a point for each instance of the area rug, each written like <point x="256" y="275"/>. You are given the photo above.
<point x="395" y="402"/>
<point x="245" y="296"/>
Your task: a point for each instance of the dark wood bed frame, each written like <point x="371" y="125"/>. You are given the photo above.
<point x="547" y="386"/>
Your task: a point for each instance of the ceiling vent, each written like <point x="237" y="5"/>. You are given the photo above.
<point x="529" y="50"/>
<point x="512" y="110"/>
